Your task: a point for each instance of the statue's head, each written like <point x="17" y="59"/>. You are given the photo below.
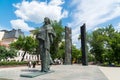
<point x="46" y="20"/>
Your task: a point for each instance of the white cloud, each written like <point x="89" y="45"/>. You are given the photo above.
<point x="35" y="11"/>
<point x="56" y="2"/>
<point x="20" y="24"/>
<point x="93" y="13"/>
<point x="119" y="24"/>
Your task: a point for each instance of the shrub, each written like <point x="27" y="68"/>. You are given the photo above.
<point x="11" y="63"/>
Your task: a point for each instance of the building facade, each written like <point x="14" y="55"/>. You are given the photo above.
<point x="7" y="37"/>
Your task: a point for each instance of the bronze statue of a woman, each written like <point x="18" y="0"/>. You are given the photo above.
<point x="45" y="37"/>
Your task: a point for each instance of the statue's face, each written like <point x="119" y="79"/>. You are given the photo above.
<point x="46" y="20"/>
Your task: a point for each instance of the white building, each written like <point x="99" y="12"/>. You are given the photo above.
<point x="1" y="35"/>
<point x="27" y="57"/>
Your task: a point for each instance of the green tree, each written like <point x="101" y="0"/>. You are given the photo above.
<point x="35" y="32"/>
<point x="7" y="53"/>
<point x="11" y="53"/>
<point x="97" y="44"/>
<point x="115" y="46"/>
<point x="3" y="51"/>
<point x="27" y="44"/>
<point x="61" y="51"/>
<point x="111" y="44"/>
<point x="76" y="54"/>
<point x="59" y="30"/>
<point x="105" y="44"/>
<point x="108" y="34"/>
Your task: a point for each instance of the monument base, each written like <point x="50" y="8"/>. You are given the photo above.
<point x="34" y="74"/>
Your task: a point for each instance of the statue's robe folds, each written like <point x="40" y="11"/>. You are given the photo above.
<point x="45" y="37"/>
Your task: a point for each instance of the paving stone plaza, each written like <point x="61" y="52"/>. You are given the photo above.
<point x="60" y="72"/>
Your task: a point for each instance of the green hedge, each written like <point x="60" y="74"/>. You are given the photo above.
<point x="111" y="65"/>
<point x="12" y="63"/>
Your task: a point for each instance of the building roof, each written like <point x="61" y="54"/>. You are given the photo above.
<point x="13" y="33"/>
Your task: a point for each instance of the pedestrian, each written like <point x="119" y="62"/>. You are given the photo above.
<point x="29" y="64"/>
<point x="34" y="64"/>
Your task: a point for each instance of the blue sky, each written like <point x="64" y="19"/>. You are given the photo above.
<point x="28" y="14"/>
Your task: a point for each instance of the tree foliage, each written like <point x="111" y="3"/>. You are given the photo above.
<point x="76" y="54"/>
<point x="7" y="53"/>
<point x="59" y="30"/>
<point x="27" y="44"/>
<point x="61" y="50"/>
<point x="105" y="44"/>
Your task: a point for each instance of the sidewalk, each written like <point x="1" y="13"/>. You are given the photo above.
<point x="61" y="72"/>
<point x="112" y="73"/>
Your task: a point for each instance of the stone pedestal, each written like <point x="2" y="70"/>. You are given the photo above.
<point x="68" y="46"/>
<point x="35" y="74"/>
<point x="83" y="45"/>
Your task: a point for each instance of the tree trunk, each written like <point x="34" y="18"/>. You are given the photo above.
<point x="23" y="56"/>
